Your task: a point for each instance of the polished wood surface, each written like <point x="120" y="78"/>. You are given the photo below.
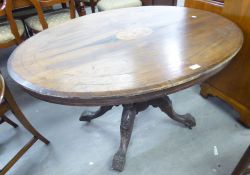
<point x="18" y="3"/>
<point x="134" y="58"/>
<point x="232" y="84"/>
<point x="21" y="4"/>
<point x="234" y="81"/>
<point x="209" y="5"/>
<point x="135" y="61"/>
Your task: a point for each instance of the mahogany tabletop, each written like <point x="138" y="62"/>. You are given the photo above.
<point x="124" y="56"/>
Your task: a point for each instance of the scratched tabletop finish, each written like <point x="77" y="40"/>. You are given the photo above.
<point x="123" y="56"/>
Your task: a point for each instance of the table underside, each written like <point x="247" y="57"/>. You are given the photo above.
<point x="127" y="122"/>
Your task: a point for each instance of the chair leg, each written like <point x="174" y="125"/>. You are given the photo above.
<point x="1" y="120"/>
<point x="7" y="120"/>
<point x="80" y="7"/>
<point x="92" y="5"/>
<point x="20" y="116"/>
<point x="18" y="156"/>
<point x="26" y="30"/>
<point x="64" y="5"/>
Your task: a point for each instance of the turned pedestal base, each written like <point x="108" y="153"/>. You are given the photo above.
<point x="127" y="122"/>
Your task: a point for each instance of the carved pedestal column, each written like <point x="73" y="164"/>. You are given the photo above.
<point x="127" y="123"/>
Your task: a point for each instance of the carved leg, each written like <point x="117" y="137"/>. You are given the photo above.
<point x="92" y="5"/>
<point x="166" y="106"/>
<point x="141" y="106"/>
<point x="127" y="122"/>
<point x="243" y="167"/>
<point x="20" y="116"/>
<point x="7" y="120"/>
<point x="80" y="7"/>
<point x="1" y="120"/>
<point x="88" y="115"/>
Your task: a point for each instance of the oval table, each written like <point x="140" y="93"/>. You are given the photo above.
<point x="133" y="57"/>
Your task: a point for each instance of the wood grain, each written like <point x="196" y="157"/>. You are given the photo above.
<point x="17" y="4"/>
<point x="232" y="84"/>
<point x="68" y="65"/>
<point x="209" y="5"/>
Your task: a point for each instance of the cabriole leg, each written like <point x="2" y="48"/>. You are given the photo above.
<point x="88" y="116"/>
<point x="166" y="106"/>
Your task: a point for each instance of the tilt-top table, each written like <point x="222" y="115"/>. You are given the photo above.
<point x="133" y="57"/>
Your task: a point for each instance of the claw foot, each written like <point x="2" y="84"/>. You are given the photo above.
<point x="119" y="161"/>
<point x="87" y="116"/>
<point x="189" y="121"/>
